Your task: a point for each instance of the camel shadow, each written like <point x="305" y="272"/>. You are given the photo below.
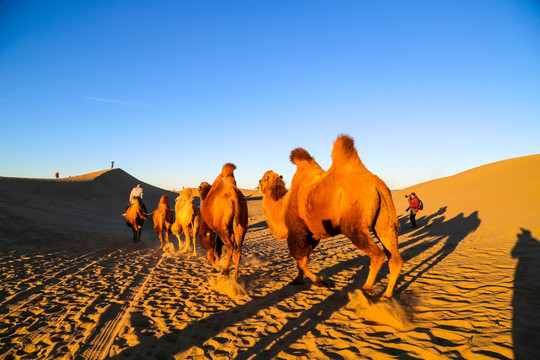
<point x="526" y="297"/>
<point x="269" y="346"/>
<point x="421" y="221"/>
<point x="448" y="232"/>
<point x="257" y="226"/>
<point x="202" y="330"/>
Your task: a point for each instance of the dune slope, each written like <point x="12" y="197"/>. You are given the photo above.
<point x="75" y="286"/>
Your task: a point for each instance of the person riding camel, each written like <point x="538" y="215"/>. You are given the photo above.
<point x="137" y="191"/>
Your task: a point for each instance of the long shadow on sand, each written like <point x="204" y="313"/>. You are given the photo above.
<point x="201" y="331"/>
<point x="526" y="298"/>
<point x="451" y="232"/>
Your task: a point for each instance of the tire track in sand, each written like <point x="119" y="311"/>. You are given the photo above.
<point x="102" y="338"/>
<point x="58" y="278"/>
<point x="73" y="301"/>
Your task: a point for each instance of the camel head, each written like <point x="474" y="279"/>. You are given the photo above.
<point x="272" y="185"/>
<point x="164" y="199"/>
<point x="186" y="194"/>
<point x="204" y="188"/>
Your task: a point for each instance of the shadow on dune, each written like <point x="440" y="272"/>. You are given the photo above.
<point x="420" y="221"/>
<point x="450" y="233"/>
<point x="526" y="298"/>
<point x="257" y="226"/>
<point x="199" y="332"/>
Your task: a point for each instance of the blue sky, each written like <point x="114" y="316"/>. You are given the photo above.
<point x="172" y="90"/>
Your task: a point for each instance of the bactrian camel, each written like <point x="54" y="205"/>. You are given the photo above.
<point x="225" y="212"/>
<point x="347" y="199"/>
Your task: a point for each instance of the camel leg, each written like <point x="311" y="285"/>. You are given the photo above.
<point x="194" y="236"/>
<point x="179" y="241"/>
<point x="187" y="241"/>
<point x="167" y="236"/>
<point x="364" y="242"/>
<point x="239" y="234"/>
<point x="216" y="251"/>
<point x="389" y="239"/>
<point x="301" y="248"/>
<point x="230" y="249"/>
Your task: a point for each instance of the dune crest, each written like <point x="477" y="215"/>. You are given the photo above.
<point x="74" y="285"/>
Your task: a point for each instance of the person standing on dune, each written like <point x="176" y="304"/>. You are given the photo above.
<point x="414" y="204"/>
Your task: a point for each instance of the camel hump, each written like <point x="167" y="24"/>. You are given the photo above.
<point x="344" y="151"/>
<point x="299" y="154"/>
<point x="228" y="170"/>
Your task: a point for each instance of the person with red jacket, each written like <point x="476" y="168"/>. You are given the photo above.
<point x="414" y="203"/>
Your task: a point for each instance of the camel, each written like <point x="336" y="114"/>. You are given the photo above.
<point x="135" y="217"/>
<point x="208" y="239"/>
<point x="225" y="212"/>
<point x="347" y="199"/>
<point x="187" y="219"/>
<point x="163" y="220"/>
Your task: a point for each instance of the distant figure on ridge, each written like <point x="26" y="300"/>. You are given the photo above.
<point x="112" y="164"/>
<point x="57" y="174"/>
<point x="414" y="206"/>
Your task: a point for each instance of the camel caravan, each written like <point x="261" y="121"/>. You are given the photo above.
<point x="347" y="199"/>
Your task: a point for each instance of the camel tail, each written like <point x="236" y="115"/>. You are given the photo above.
<point x="387" y="200"/>
<point x="298" y="155"/>
<point x="142" y="214"/>
<point x="344" y="152"/>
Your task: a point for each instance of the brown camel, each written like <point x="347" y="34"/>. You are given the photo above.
<point x="208" y="239"/>
<point x="135" y="217"/>
<point x="347" y="199"/>
<point x="187" y="219"/>
<point x="163" y="220"/>
<point x="225" y="212"/>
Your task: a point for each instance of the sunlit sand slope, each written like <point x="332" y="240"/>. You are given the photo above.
<point x="74" y="285"/>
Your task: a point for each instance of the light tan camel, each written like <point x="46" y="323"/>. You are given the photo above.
<point x="225" y="212"/>
<point x="163" y="220"/>
<point x="347" y="199"/>
<point x="187" y="220"/>
<point x="135" y="217"/>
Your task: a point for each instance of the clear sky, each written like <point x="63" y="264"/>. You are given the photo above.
<point x="172" y="90"/>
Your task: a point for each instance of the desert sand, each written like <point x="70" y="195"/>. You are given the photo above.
<point x="75" y="286"/>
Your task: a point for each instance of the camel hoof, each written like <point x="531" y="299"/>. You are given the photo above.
<point x="320" y="282"/>
<point x="368" y="293"/>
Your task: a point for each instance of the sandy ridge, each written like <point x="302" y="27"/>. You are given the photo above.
<point x="75" y="286"/>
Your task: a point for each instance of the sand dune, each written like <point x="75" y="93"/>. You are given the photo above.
<point x="74" y="285"/>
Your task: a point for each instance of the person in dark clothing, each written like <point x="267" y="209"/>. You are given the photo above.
<point x="414" y="202"/>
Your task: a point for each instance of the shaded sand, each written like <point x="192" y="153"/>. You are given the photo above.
<point x="74" y="285"/>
